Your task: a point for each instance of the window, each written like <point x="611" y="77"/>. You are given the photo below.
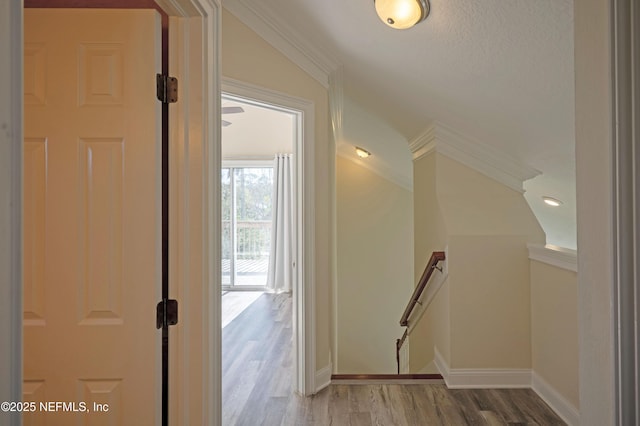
<point x="246" y="225"/>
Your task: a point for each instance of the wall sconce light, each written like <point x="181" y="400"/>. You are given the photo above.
<point x="402" y="14"/>
<point x="362" y="153"/>
<point x="553" y="202"/>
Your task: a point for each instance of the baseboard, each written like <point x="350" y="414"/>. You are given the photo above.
<point x="441" y="365"/>
<point x="486" y="378"/>
<point x="323" y="377"/>
<point x="566" y="410"/>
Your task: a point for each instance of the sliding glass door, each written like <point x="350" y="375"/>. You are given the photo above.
<point x="246" y="226"/>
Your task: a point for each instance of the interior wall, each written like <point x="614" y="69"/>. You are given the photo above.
<point x="490" y="302"/>
<point x="554" y="328"/>
<point x="248" y="58"/>
<point x="485" y="227"/>
<point x="474" y="204"/>
<point x="430" y="234"/>
<point x="594" y="129"/>
<point x="375" y="264"/>
<point x="489" y="227"/>
<point x="432" y="332"/>
<point x="391" y="156"/>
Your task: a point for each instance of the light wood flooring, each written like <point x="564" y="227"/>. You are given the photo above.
<point x="257" y="387"/>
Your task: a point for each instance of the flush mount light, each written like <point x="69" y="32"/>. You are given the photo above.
<point x="362" y="153"/>
<point x="552" y="201"/>
<point x="402" y="14"/>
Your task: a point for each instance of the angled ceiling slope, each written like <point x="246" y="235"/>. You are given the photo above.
<point x="500" y="72"/>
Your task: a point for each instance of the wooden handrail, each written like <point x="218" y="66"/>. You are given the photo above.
<point x="436" y="257"/>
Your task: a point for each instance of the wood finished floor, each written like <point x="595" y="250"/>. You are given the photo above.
<point x="257" y="387"/>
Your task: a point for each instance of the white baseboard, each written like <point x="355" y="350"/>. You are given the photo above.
<point x="463" y="378"/>
<point x="323" y="377"/>
<point x="489" y="378"/>
<point x="441" y="365"/>
<point x="467" y="378"/>
<point x="566" y="410"/>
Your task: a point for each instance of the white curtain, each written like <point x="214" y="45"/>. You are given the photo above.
<point x="280" y="275"/>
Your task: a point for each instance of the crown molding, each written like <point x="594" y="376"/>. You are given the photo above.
<point x="474" y="154"/>
<point x="261" y="19"/>
<point x="559" y="257"/>
<point x="345" y="151"/>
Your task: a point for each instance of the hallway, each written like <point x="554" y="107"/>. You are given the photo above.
<point x="257" y="387"/>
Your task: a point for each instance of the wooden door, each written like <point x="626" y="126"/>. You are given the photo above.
<point x="91" y="215"/>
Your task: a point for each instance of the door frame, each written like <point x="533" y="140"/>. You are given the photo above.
<point x="626" y="210"/>
<point x="304" y="318"/>
<point x="197" y="25"/>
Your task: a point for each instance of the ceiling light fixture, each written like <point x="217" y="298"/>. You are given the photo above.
<point x="362" y="153"/>
<point x="402" y="14"/>
<point x="552" y="201"/>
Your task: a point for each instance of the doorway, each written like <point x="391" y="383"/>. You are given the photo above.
<point x="302" y="114"/>
<point x="258" y="254"/>
<point x="258" y="191"/>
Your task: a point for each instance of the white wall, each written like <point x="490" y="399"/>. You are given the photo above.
<point x="10" y="204"/>
<point x="594" y="195"/>
<point x="375" y="268"/>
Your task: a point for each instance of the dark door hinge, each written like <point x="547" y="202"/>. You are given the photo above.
<point x="166" y="313"/>
<point x="166" y="89"/>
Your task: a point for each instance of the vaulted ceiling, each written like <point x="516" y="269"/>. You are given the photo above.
<point x="499" y="72"/>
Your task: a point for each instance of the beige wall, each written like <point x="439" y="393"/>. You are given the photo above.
<point x="248" y="58"/>
<point x="432" y="330"/>
<point x="490" y="302"/>
<point x="375" y="268"/>
<point x="485" y="226"/>
<point x="554" y="328"/>
<point x="474" y="204"/>
<point x="430" y="234"/>
<point x="593" y="195"/>
<point x="429" y="223"/>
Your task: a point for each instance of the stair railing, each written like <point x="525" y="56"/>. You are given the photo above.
<point x="436" y="256"/>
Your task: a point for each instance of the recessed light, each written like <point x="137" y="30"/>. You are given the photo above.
<point x="362" y="153"/>
<point x="554" y="202"/>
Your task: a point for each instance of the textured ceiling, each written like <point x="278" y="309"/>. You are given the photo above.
<point x="498" y="71"/>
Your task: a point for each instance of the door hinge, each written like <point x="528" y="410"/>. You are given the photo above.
<point x="166" y="313"/>
<point x="166" y="88"/>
